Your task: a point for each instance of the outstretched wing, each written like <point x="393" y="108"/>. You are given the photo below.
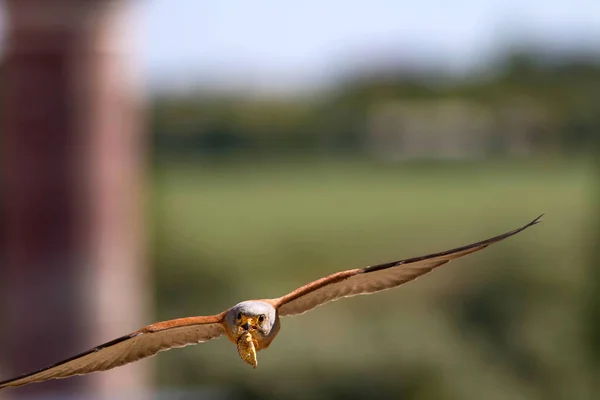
<point x="375" y="278"/>
<point x="143" y="343"/>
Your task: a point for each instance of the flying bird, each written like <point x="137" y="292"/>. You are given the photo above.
<point x="250" y="325"/>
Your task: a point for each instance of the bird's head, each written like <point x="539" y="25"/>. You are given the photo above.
<point x="259" y="318"/>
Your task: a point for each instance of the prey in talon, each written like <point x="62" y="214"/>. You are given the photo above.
<point x="247" y="349"/>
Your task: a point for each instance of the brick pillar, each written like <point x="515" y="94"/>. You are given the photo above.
<point x="72" y="272"/>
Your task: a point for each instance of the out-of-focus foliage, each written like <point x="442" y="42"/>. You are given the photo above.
<point x="548" y="101"/>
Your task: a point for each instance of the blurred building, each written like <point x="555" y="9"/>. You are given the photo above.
<point x="73" y="271"/>
<point x="454" y="129"/>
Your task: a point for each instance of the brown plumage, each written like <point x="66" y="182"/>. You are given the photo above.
<point x="258" y="319"/>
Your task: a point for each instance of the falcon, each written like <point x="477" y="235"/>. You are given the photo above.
<point x="251" y="325"/>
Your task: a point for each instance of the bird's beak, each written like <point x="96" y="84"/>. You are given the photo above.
<point x="247" y="324"/>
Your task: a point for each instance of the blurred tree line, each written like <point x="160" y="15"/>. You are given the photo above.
<point x="563" y="86"/>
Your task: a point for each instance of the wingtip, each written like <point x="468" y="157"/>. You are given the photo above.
<point x="537" y="220"/>
<point x="534" y="222"/>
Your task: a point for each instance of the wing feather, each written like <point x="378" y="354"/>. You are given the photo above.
<point x="135" y="346"/>
<point x="376" y="278"/>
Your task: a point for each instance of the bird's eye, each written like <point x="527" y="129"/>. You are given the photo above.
<point x="261" y="318"/>
<point x="239" y="316"/>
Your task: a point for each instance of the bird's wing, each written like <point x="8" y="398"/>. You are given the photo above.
<point x="143" y="343"/>
<point x="375" y="278"/>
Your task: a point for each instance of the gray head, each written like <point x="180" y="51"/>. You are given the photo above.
<point x="256" y="316"/>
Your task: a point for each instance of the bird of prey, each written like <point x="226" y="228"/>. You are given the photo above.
<point x="250" y="325"/>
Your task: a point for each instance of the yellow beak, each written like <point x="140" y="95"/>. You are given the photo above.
<point x="247" y="324"/>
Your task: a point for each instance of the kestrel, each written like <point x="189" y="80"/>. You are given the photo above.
<point x="250" y="325"/>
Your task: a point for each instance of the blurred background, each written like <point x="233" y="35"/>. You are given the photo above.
<point x="167" y="158"/>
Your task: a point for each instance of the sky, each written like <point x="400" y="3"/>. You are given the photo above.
<point x="299" y="43"/>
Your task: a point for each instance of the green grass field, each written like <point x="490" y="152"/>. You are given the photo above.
<point x="227" y="231"/>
